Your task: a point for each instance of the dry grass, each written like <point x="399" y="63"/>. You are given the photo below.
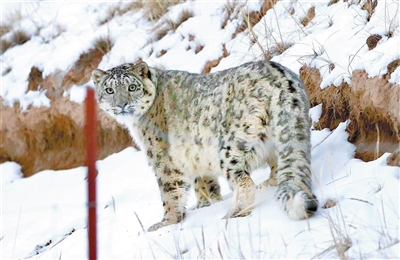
<point x="373" y="40"/>
<point x="213" y="63"/>
<point x="4" y="28"/>
<point x="252" y="18"/>
<point x="268" y="52"/>
<point x="17" y="37"/>
<point x="120" y="9"/>
<point x="155" y="9"/>
<point x="5" y="45"/>
<point x="369" y="6"/>
<point x="183" y="16"/>
<point x="310" y="15"/>
<point x="81" y="71"/>
<point x="35" y="79"/>
<point x="332" y="2"/>
<point x="162" y="28"/>
<point x="103" y="44"/>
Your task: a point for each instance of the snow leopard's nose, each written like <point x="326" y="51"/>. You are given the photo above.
<point x="122" y="105"/>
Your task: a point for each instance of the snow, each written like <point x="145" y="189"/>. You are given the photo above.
<point x="56" y="200"/>
<point x="10" y="171"/>
<point x="45" y="215"/>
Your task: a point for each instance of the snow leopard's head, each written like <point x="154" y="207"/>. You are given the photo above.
<point x="126" y="90"/>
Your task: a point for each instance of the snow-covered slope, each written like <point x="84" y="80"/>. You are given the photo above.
<point x="44" y="216"/>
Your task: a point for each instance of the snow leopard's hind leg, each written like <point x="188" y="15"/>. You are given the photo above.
<point x="237" y="172"/>
<point x="207" y="191"/>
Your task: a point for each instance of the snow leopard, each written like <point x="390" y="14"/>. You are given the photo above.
<point x="195" y="128"/>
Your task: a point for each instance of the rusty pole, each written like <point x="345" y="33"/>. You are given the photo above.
<point x="91" y="157"/>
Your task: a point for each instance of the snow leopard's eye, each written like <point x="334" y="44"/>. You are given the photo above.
<point x="109" y="91"/>
<point x="133" y="88"/>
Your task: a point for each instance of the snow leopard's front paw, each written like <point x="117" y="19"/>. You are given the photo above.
<point x="298" y="203"/>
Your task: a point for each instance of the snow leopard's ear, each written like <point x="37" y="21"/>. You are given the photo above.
<point x="141" y="69"/>
<point x="97" y="75"/>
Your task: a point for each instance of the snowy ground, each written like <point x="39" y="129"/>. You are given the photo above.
<point x="44" y="216"/>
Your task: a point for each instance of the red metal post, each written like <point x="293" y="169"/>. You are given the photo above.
<point x="91" y="157"/>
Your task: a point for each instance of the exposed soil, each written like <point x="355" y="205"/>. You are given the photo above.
<point x="371" y="104"/>
<point x="53" y="138"/>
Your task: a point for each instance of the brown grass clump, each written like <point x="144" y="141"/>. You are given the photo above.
<point x="332" y="2"/>
<point x="53" y="138"/>
<point x="213" y="63"/>
<point x="103" y="44"/>
<point x="35" y="79"/>
<point x="369" y="6"/>
<point x="4" y="28"/>
<point x="183" y="16"/>
<point x="5" y="45"/>
<point x="335" y="100"/>
<point x="392" y="66"/>
<point x="120" y="9"/>
<point x="81" y="71"/>
<point x="251" y="19"/>
<point x="394" y="158"/>
<point x="155" y="9"/>
<point x="162" y="28"/>
<point x="372" y="105"/>
<point x="310" y="15"/>
<point x="18" y="37"/>
<point x="373" y="40"/>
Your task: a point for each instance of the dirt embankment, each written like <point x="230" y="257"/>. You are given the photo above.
<point x="371" y="104"/>
<point x="53" y="137"/>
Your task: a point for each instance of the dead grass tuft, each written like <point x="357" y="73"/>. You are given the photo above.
<point x="80" y="73"/>
<point x="372" y="105"/>
<point x="163" y="27"/>
<point x="120" y="9"/>
<point x="5" y="45"/>
<point x="332" y="2"/>
<point x="17" y="37"/>
<point x="369" y="6"/>
<point x="6" y="71"/>
<point x="213" y="63"/>
<point x="392" y="66"/>
<point x="183" y="16"/>
<point x="35" y="79"/>
<point x="394" y="158"/>
<point x="4" y="28"/>
<point x="373" y="40"/>
<point x="103" y="44"/>
<point x="252" y="18"/>
<point x="278" y="49"/>
<point x="310" y="15"/>
<point x="155" y="9"/>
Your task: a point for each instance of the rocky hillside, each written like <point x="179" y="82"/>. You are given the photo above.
<point x="346" y="52"/>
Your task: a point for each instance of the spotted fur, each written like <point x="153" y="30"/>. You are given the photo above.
<point x="194" y="128"/>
